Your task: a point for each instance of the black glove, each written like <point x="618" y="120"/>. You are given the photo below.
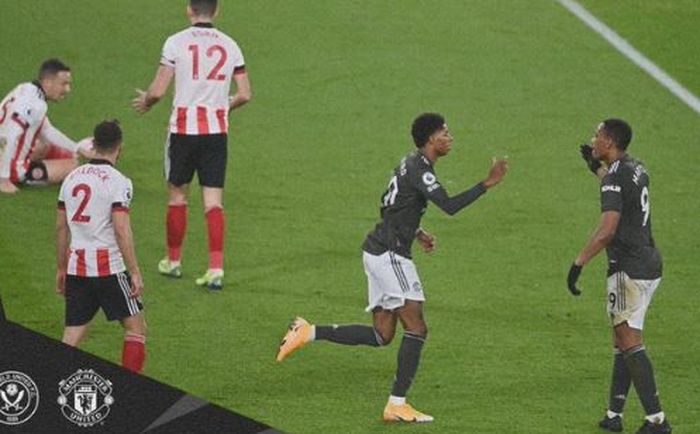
<point x="574" y="272"/>
<point x="587" y="155"/>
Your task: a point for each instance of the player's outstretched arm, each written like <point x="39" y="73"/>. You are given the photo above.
<point x="125" y="240"/>
<point x="62" y="242"/>
<point x="452" y="205"/>
<point x="156" y="91"/>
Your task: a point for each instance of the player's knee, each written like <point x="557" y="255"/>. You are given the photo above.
<point x="384" y="337"/>
<point x="420" y="329"/>
<point x="135" y="325"/>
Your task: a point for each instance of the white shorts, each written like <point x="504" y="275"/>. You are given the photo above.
<point x="629" y="299"/>
<point x="391" y="280"/>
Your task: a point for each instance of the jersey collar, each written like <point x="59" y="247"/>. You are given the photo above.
<point x="99" y="161"/>
<point x="42" y="94"/>
<point x="207" y="25"/>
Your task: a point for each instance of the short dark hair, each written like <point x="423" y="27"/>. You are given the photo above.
<point x="619" y="132"/>
<point x="107" y="135"/>
<point x="52" y="67"/>
<point x="205" y="8"/>
<point x="424" y="126"/>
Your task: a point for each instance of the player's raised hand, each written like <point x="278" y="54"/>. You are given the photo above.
<point x="86" y="148"/>
<point x="136" y="285"/>
<point x="574" y="273"/>
<point x="499" y="168"/>
<point x="61" y="282"/>
<point x="587" y="155"/>
<point x="139" y="103"/>
<point x="427" y="241"/>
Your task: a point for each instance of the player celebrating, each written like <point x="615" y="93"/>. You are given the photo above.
<point x="24" y="125"/>
<point x="634" y="269"/>
<point x="203" y="61"/>
<point x="93" y="217"/>
<point x="394" y="289"/>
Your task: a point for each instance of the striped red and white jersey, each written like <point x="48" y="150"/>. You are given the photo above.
<point x="205" y="60"/>
<point x="22" y="117"/>
<point x="89" y="195"/>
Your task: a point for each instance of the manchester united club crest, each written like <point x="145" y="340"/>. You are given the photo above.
<point x="19" y="397"/>
<point x="85" y="397"/>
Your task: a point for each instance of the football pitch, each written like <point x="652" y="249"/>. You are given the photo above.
<point x="335" y="88"/>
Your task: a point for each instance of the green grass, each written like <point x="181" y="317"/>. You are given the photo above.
<point x="336" y="85"/>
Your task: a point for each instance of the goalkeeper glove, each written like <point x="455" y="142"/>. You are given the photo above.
<point x="587" y="155"/>
<point x="574" y="273"/>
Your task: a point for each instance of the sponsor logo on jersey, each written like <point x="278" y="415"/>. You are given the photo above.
<point x="19" y="397"/>
<point x="615" y="188"/>
<point x="85" y="397"/>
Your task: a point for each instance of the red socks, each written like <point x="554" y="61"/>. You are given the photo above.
<point x="134" y="352"/>
<point x="215" y="224"/>
<point x="176" y="225"/>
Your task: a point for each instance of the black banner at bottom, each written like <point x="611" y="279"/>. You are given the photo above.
<point x="49" y="387"/>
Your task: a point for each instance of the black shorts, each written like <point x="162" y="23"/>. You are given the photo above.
<point x="85" y="295"/>
<point x="204" y="154"/>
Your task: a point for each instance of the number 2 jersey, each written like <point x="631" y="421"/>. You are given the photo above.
<point x="625" y="189"/>
<point x="205" y="60"/>
<point x="403" y="204"/>
<point x="89" y="195"/>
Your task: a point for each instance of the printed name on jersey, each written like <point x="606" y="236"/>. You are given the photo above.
<point x="429" y="178"/>
<point x="638" y="172"/>
<point x="614" y="188"/>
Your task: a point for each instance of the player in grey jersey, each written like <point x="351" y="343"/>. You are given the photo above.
<point x="395" y="291"/>
<point x="634" y="269"/>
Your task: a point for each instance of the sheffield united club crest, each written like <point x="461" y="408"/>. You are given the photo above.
<point x="19" y="397"/>
<point x="85" y="397"/>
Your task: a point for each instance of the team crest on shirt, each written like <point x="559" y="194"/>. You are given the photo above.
<point x="85" y="397"/>
<point x="19" y="397"/>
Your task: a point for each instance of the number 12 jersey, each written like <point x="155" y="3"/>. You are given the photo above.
<point x="205" y="60"/>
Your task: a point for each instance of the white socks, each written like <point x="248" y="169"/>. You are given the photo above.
<point x="397" y="400"/>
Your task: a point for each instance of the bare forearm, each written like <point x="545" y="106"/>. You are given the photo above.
<point x="126" y="246"/>
<point x="597" y="243"/>
<point x="62" y="239"/>
<point x="238" y="100"/>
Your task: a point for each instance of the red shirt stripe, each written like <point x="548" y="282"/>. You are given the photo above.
<point x="103" y="262"/>
<point x="202" y="121"/>
<point x="221" y="117"/>
<point x="80" y="268"/>
<point x="182" y="120"/>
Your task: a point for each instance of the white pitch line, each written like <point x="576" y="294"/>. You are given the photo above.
<point x="632" y="54"/>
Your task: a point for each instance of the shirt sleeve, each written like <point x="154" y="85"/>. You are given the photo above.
<point x="611" y="192"/>
<point x="53" y="135"/>
<point x="169" y="53"/>
<point x="29" y="113"/>
<point x="121" y="196"/>
<point x="426" y="182"/>
<point x="238" y="61"/>
<point x="61" y="199"/>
